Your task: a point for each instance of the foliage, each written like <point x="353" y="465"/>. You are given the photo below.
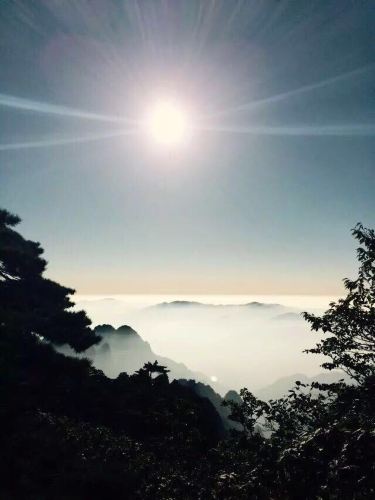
<point x="30" y="303"/>
<point x="322" y="436"/>
<point x="67" y="431"/>
<point x="351" y="321"/>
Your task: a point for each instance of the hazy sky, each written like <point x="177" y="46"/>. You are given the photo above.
<point x="261" y="199"/>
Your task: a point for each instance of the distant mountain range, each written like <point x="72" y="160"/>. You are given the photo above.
<point x="259" y="308"/>
<point x="289" y="316"/>
<point x="186" y="303"/>
<point x="280" y="387"/>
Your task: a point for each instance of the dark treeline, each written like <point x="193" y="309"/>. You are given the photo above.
<point x="69" y="432"/>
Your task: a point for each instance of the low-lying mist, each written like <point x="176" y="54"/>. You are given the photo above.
<point x="233" y="341"/>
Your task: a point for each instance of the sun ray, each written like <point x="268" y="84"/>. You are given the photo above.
<point x="292" y="93"/>
<point x="53" y="109"/>
<point x="298" y="130"/>
<point x="58" y="141"/>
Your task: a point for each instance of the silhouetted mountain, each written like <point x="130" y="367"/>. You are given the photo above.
<point x="104" y="329"/>
<point x="289" y="316"/>
<point x="124" y="350"/>
<point x="180" y="303"/>
<point x="259" y="305"/>
<point x="176" y="304"/>
<point x="280" y="387"/>
<point x="206" y="391"/>
<point x="69" y="432"/>
<point x="233" y="396"/>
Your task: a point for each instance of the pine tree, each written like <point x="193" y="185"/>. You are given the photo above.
<point x="31" y="304"/>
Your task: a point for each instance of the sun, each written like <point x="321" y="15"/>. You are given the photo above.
<point x="168" y="123"/>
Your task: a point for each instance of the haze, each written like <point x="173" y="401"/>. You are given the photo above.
<point x="219" y="336"/>
<point x="261" y="200"/>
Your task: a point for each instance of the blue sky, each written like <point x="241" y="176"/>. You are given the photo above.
<point x="243" y="209"/>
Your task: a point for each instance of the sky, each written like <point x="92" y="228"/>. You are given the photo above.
<point x="279" y="165"/>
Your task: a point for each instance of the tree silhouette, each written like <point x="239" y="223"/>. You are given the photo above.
<point x="350" y="322"/>
<point x="321" y="441"/>
<point x="149" y="369"/>
<point x="67" y="431"/>
<point x="31" y="304"/>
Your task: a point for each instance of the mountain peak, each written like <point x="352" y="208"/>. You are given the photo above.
<point x="109" y="329"/>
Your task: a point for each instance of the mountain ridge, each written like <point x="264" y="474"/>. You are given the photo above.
<point x="188" y="303"/>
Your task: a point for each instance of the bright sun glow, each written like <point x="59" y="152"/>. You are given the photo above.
<point x="168" y="124"/>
